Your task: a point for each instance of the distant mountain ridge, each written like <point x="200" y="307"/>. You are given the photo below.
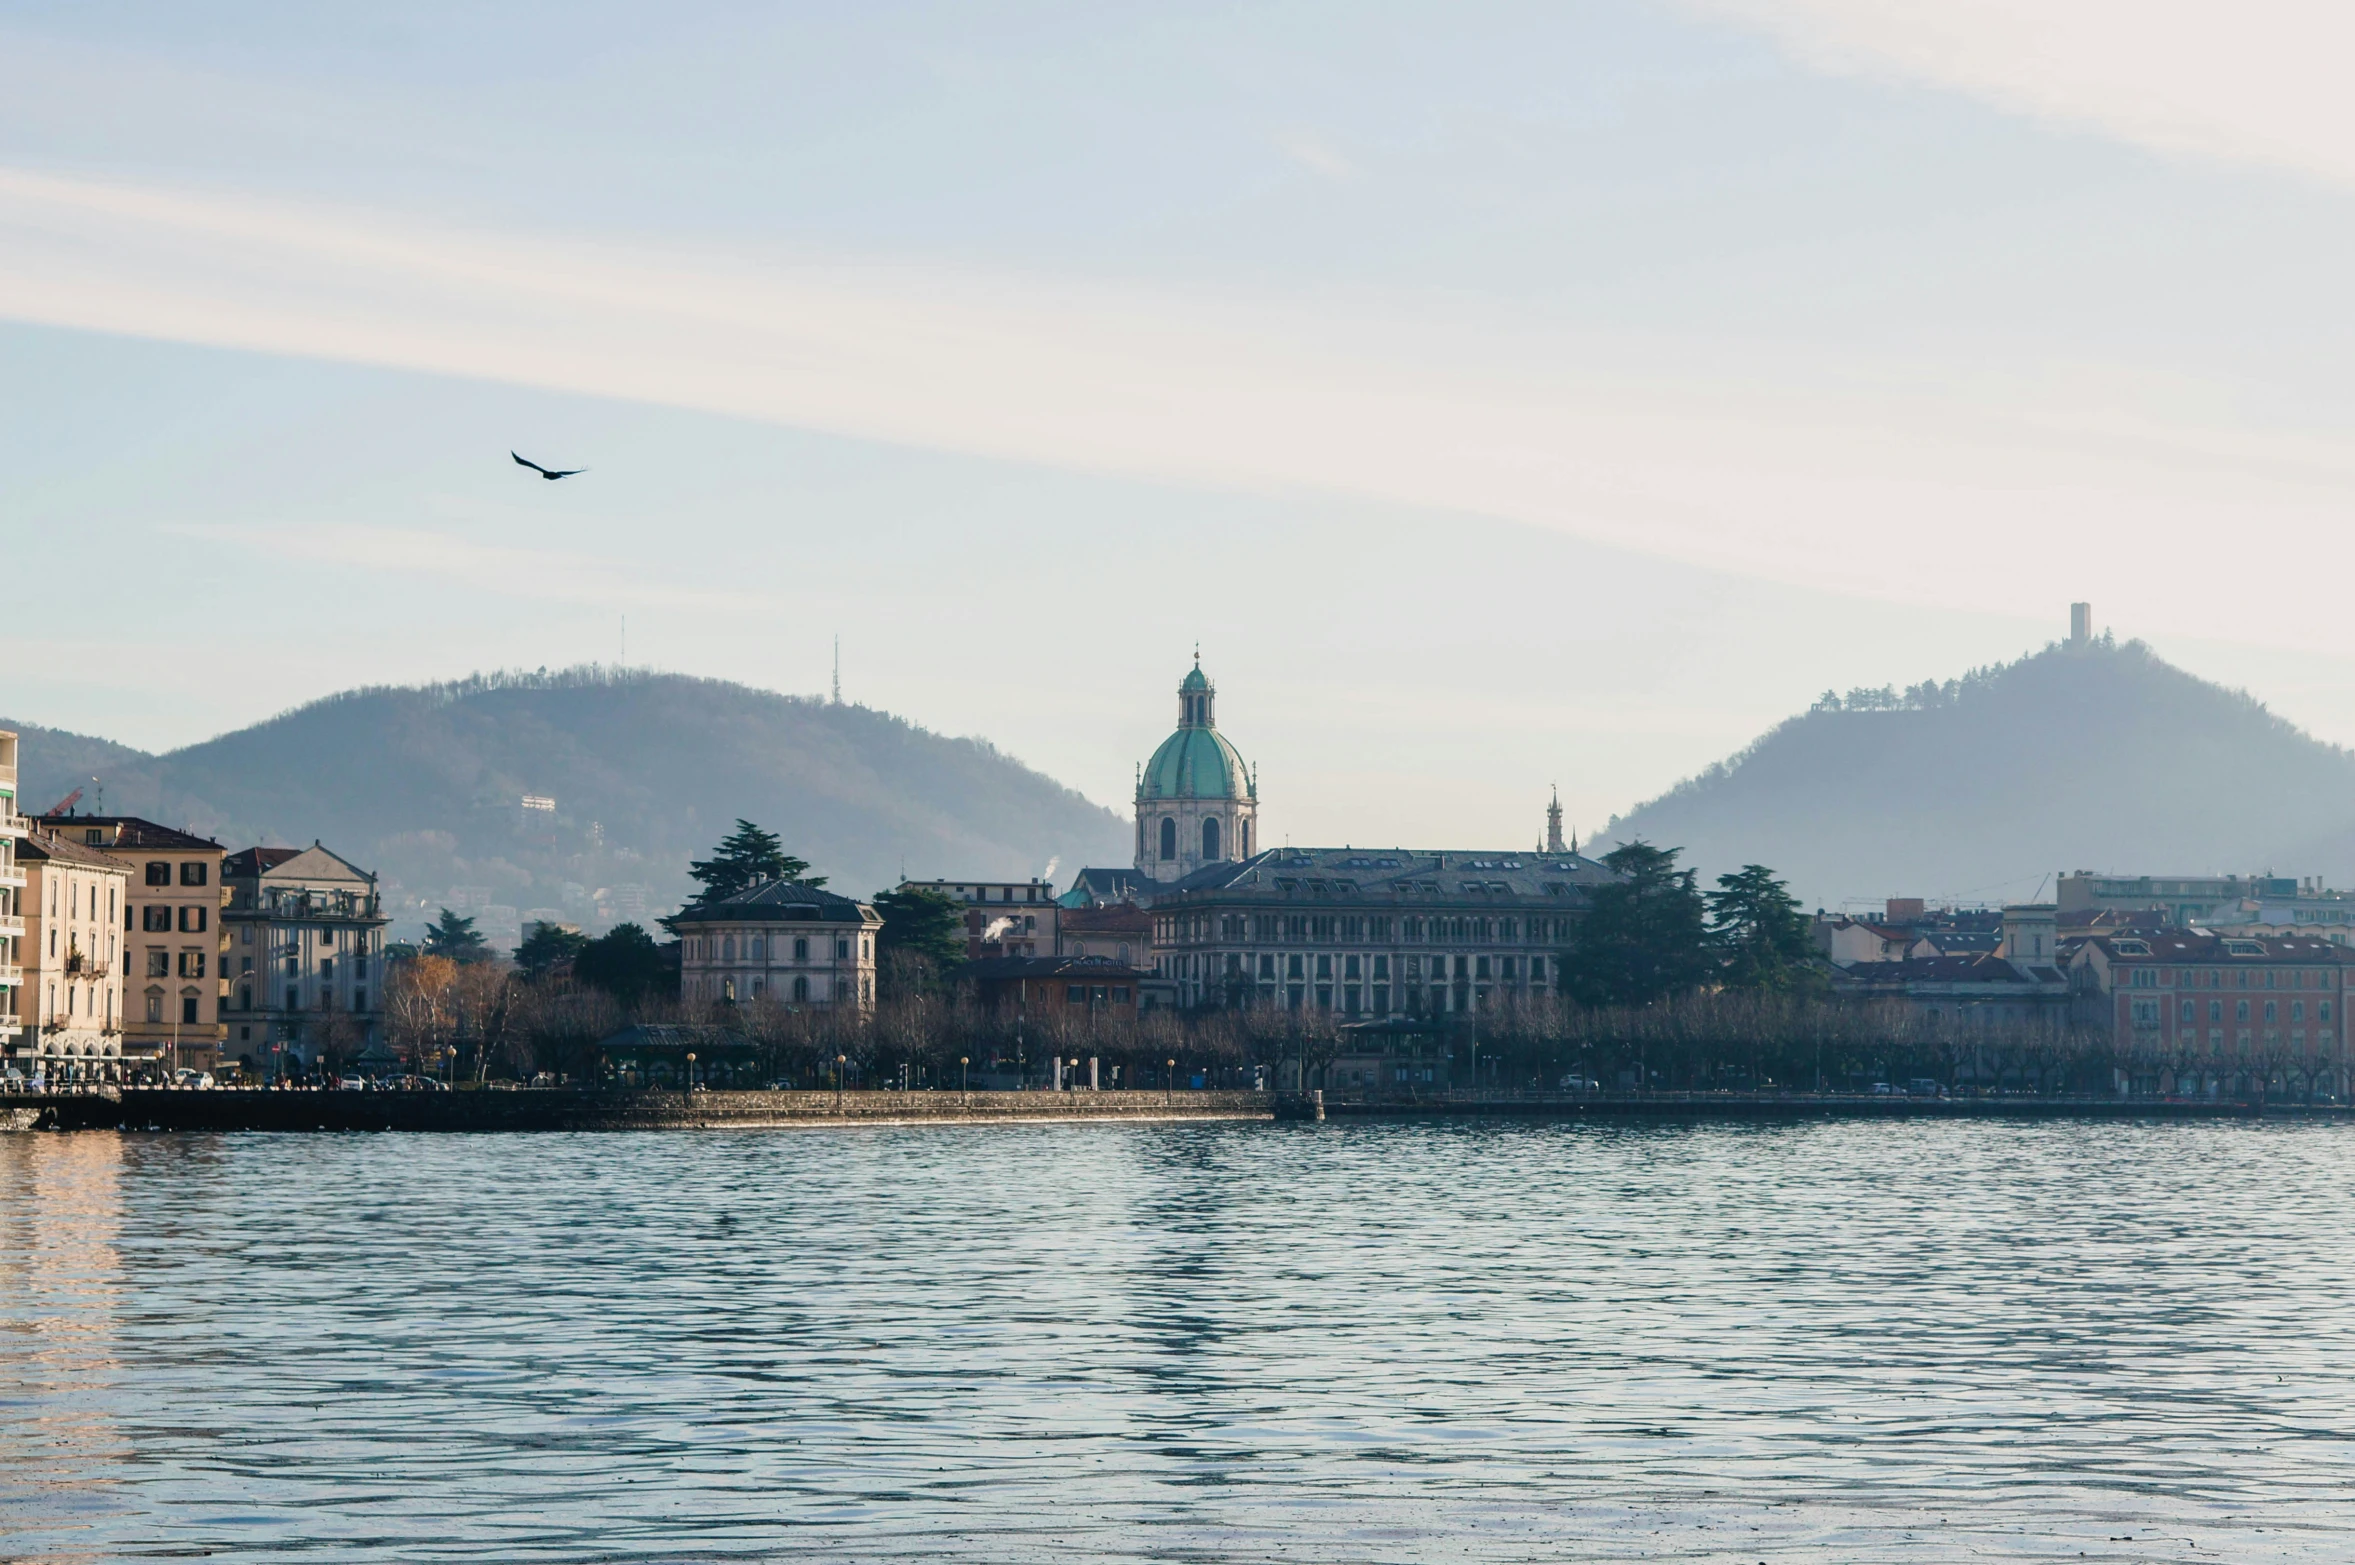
<point x="646" y="771"/>
<point x="2093" y="756"/>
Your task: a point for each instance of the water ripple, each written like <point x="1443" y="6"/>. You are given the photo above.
<point x="1381" y="1342"/>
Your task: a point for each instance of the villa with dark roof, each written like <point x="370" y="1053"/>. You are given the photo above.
<point x="778" y="940"/>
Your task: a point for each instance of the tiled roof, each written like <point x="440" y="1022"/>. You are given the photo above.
<point x="1401" y="875"/>
<point x="2199" y="945"/>
<point x="48" y="845"/>
<point x="133" y="832"/>
<point x="776" y="902"/>
<point x="256" y="861"/>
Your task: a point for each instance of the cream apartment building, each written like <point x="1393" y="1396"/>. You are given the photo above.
<point x="172" y="935"/>
<point x="12" y="891"/>
<point x="70" y="1004"/>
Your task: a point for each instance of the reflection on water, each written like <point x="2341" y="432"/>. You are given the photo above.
<point x="1363" y="1342"/>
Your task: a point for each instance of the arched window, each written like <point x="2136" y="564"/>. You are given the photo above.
<point x="1243" y="838"/>
<point x="728" y="953"/>
<point x="801" y="988"/>
<point x="1210" y="837"/>
<point x="1168" y="837"/>
<point x="757" y="949"/>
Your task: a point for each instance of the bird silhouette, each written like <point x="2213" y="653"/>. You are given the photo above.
<point x="551" y="474"/>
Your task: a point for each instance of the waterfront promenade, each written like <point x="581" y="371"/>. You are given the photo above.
<point x="231" y="1109"/>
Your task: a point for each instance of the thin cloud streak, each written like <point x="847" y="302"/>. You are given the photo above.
<point x="2254" y="81"/>
<point x="500" y="570"/>
<point x="1901" y="490"/>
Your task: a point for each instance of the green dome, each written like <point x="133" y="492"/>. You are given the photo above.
<point x="1195" y="763"/>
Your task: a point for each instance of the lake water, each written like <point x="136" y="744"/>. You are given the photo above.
<point x="1391" y="1341"/>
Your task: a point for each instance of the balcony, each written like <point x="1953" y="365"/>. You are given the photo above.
<point x="12" y="924"/>
<point x="11" y="976"/>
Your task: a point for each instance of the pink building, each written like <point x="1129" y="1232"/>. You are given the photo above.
<point x="2198" y="1014"/>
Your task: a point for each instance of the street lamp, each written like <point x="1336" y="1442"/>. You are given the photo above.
<point x="840" y="1060"/>
<point x="1169" y="1084"/>
<point x="689" y="1084"/>
<point x="962" y="1062"/>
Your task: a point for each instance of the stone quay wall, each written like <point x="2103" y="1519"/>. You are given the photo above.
<point x="136" y="1108"/>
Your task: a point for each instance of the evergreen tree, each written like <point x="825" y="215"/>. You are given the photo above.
<point x="624" y="962"/>
<point x="1643" y="938"/>
<point x="1760" y="933"/>
<point x="745" y="857"/>
<point x="548" y="947"/>
<point x="923" y="923"/>
<point x="456" y="938"/>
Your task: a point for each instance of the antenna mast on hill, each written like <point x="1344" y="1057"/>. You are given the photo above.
<point x="838" y="668"/>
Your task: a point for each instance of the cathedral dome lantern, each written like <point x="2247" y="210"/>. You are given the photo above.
<point x="1197" y="803"/>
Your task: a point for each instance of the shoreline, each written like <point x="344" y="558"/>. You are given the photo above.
<point x="558" y="1109"/>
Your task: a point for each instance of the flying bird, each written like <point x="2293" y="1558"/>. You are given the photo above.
<point x="551" y="474"/>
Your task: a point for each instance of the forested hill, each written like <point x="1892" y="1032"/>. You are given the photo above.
<point x="646" y="771"/>
<point x="2101" y="757"/>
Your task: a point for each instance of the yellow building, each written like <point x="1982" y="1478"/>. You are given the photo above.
<point x="171" y="934"/>
<point x="70" y="1005"/>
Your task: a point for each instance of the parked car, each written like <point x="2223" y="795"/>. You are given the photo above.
<point x="1924" y="1087"/>
<point x="192" y="1080"/>
<point x="351" y="1084"/>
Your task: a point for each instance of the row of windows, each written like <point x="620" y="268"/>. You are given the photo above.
<point x="192" y="873"/>
<point x="1359" y="929"/>
<point x="2324" y="1041"/>
<point x="758" y="948"/>
<point x="797" y="989"/>
<point x="159" y="963"/>
<point x="2243" y="978"/>
<point x="1325" y="966"/>
<point x="156" y="918"/>
<point x="2148" y="1010"/>
<point x="73" y="897"/>
<point x="1212" y="838"/>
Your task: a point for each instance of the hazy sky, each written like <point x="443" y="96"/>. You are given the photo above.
<point x="1501" y="394"/>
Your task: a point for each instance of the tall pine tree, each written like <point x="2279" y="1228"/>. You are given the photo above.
<point x="1760" y="933"/>
<point x="746" y="857"/>
<point x="1644" y="937"/>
